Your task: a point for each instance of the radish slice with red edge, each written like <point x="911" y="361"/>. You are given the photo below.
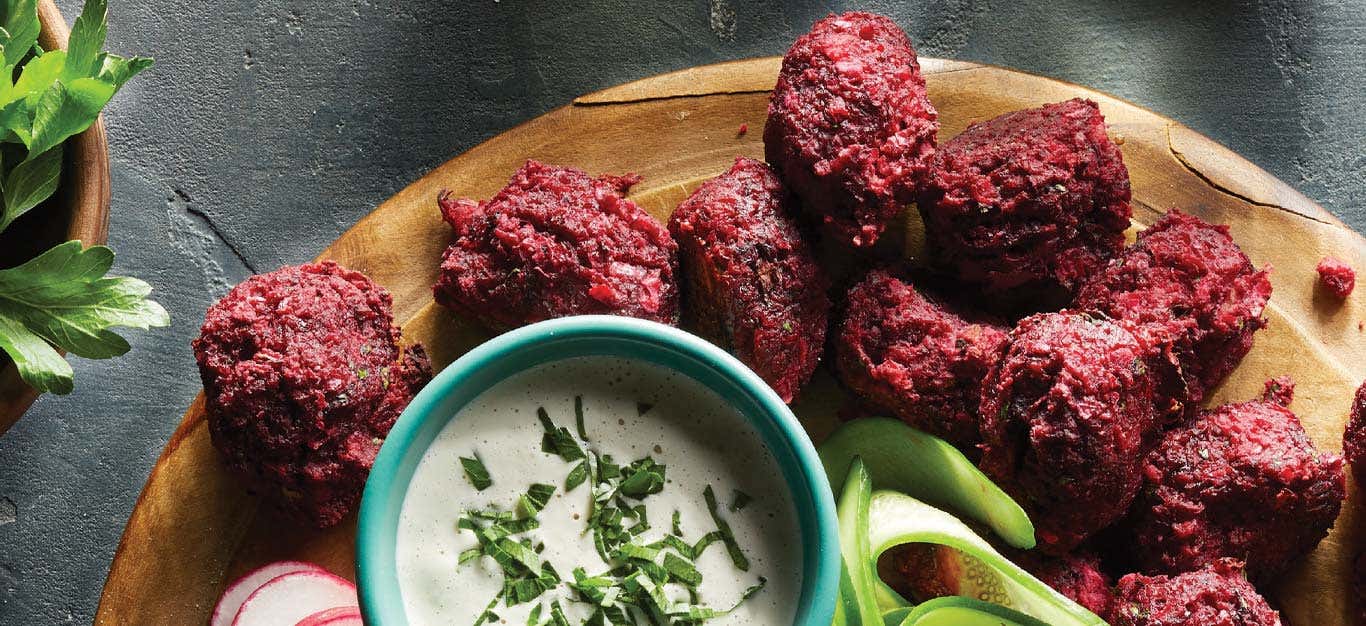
<point x="338" y="616"/>
<point x="240" y="589"/>
<point x="291" y="598"/>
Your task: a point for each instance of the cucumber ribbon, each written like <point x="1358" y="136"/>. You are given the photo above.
<point x="874" y="521"/>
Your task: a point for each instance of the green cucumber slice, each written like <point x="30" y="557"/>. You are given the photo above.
<point x="964" y="611"/>
<point x="904" y="459"/>
<point x="895" y="617"/>
<point x="895" y="519"/>
<point x="888" y="598"/>
<point x="859" y="583"/>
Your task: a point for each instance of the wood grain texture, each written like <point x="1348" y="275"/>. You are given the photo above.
<point x="79" y="210"/>
<point x="194" y="529"/>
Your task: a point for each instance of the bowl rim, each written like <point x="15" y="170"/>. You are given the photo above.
<point x="593" y="335"/>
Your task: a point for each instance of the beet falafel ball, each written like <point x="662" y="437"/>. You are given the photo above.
<point x="1240" y="480"/>
<point x="1218" y="595"/>
<point x="849" y="124"/>
<point x="912" y="355"/>
<point x="1354" y="438"/>
<point x="1077" y="575"/>
<point x="1193" y="296"/>
<point x="750" y="280"/>
<point x="303" y="377"/>
<point x="557" y="242"/>
<point x="1034" y="199"/>
<point x="1066" y="419"/>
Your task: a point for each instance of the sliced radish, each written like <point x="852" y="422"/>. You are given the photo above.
<point x="339" y="616"/>
<point x="290" y="598"/>
<point x="243" y="587"/>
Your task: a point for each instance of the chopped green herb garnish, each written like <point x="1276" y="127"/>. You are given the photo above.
<point x="534" y="499"/>
<point x="577" y="476"/>
<point x="557" y="615"/>
<point x="727" y="535"/>
<point x="476" y="472"/>
<point x="558" y="440"/>
<point x="632" y="590"/>
<point x="488" y="616"/>
<point x="470" y="555"/>
<point x="578" y="417"/>
<point x="682" y="570"/>
<point x="643" y="477"/>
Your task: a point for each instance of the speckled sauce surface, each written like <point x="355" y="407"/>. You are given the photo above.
<point x="632" y="409"/>
<point x="267" y="128"/>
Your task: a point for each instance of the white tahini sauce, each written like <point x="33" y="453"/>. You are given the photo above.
<point x="689" y="428"/>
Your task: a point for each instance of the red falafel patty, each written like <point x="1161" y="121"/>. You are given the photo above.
<point x="1077" y="575"/>
<point x="914" y="356"/>
<point x="849" y="124"/>
<point x="1035" y="199"/>
<point x="1194" y="298"/>
<point x="557" y="242"/>
<point x="1066" y="419"/>
<point x="1240" y="480"/>
<point x="1218" y="595"/>
<point x="303" y="377"/>
<point x="1354" y="438"/>
<point x="749" y="279"/>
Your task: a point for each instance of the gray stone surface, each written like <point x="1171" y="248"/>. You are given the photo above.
<point x="267" y="128"/>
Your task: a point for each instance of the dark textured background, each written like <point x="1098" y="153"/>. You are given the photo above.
<point x="268" y="128"/>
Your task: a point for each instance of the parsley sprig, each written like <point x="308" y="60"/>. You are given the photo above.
<point x="60" y="299"/>
<point x="634" y="588"/>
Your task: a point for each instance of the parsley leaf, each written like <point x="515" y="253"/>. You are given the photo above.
<point x="737" y="556"/>
<point x="62" y="299"/>
<point x="21" y="30"/>
<point x="557" y="440"/>
<point x="476" y="472"/>
<point x="535" y="499"/>
<point x="29" y="183"/>
<point x="87" y="37"/>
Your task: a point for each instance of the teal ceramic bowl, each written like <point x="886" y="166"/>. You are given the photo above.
<point x="508" y="354"/>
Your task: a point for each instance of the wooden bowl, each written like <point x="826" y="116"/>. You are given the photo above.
<point x="79" y="210"/>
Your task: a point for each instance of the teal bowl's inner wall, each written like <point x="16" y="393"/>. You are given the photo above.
<point x="505" y="356"/>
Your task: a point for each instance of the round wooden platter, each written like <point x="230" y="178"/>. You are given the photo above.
<point x="79" y="210"/>
<point x="194" y="528"/>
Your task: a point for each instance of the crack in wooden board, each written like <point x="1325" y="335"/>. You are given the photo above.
<point x="1173" y="129"/>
